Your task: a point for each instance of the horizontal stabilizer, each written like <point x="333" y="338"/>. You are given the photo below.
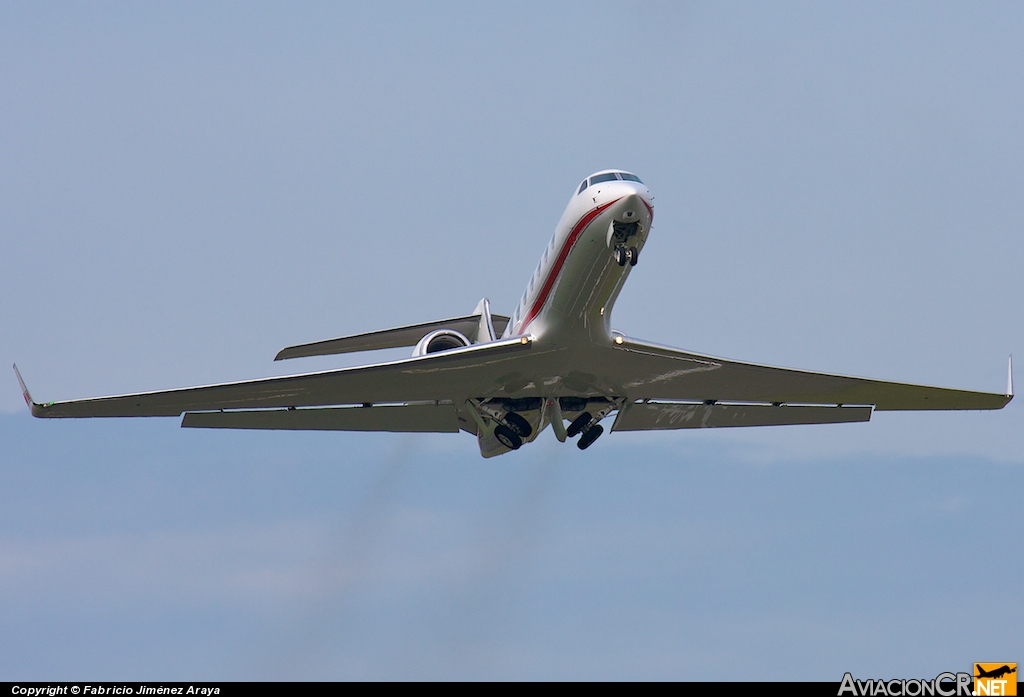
<point x="655" y="416"/>
<point x="389" y="338"/>
<point x="403" y="418"/>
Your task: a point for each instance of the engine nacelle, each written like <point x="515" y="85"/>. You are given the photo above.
<point x="440" y="340"/>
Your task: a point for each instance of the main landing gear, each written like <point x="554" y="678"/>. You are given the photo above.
<point x="507" y="437"/>
<point x="510" y="422"/>
<point x="511" y="433"/>
<point x="623" y="255"/>
<point x="588" y="426"/>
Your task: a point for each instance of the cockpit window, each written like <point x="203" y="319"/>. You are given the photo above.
<point x="630" y="177"/>
<point x="598" y="178"/>
<point x="582" y="187"/>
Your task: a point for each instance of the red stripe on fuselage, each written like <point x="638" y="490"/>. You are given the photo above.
<point x="649" y="208"/>
<point x="560" y="261"/>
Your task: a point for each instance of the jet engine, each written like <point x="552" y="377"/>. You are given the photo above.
<point x="440" y="340"/>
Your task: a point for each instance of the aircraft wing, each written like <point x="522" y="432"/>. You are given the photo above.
<point x="476" y="370"/>
<point x="628" y="369"/>
<point x="649" y="371"/>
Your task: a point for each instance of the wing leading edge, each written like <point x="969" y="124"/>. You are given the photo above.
<point x="650" y="371"/>
<point x="447" y="375"/>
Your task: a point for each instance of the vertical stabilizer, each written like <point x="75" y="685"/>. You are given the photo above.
<point x="485" y="327"/>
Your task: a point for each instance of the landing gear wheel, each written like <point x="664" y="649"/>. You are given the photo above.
<point x="633" y="255"/>
<point x="592" y="434"/>
<point x="621" y="256"/>
<point x="578" y="424"/>
<point x="518" y="424"/>
<point x="507" y="437"/>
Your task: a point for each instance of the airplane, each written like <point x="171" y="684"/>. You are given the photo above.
<point x="996" y="673"/>
<point x="555" y="361"/>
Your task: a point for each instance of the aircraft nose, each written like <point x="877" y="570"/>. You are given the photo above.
<point x="630" y="209"/>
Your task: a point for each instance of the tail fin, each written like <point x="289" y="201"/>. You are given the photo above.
<point x="485" y="327"/>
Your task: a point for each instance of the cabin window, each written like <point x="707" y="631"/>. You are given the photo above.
<point x="630" y="177"/>
<point x="582" y="187"/>
<point x="597" y="179"/>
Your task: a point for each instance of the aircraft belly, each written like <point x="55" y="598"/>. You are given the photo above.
<point x="561" y="372"/>
<point x="576" y="288"/>
<point x="589" y="283"/>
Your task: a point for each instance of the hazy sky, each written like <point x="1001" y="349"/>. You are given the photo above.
<point x="187" y="188"/>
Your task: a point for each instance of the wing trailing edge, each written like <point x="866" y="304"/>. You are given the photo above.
<point x="396" y="418"/>
<point x="657" y="416"/>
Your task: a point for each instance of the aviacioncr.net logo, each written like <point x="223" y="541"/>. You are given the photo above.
<point x="943" y="685"/>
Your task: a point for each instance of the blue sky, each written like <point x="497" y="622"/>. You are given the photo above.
<point x="188" y="188"/>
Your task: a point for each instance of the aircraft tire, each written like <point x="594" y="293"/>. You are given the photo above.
<point x="578" y="424"/>
<point x="621" y="256"/>
<point x="633" y="254"/>
<point x="507" y="437"/>
<point x="518" y="424"/>
<point x="588" y="438"/>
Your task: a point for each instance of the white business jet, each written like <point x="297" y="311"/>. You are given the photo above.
<point x="555" y="361"/>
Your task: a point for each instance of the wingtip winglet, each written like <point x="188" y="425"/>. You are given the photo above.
<point x="24" y="390"/>
<point x="37" y="410"/>
<point x="1009" y="377"/>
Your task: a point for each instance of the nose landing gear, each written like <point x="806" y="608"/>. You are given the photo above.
<point x="619" y="236"/>
<point x="623" y="255"/>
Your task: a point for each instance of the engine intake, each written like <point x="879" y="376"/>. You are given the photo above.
<point x="440" y="340"/>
